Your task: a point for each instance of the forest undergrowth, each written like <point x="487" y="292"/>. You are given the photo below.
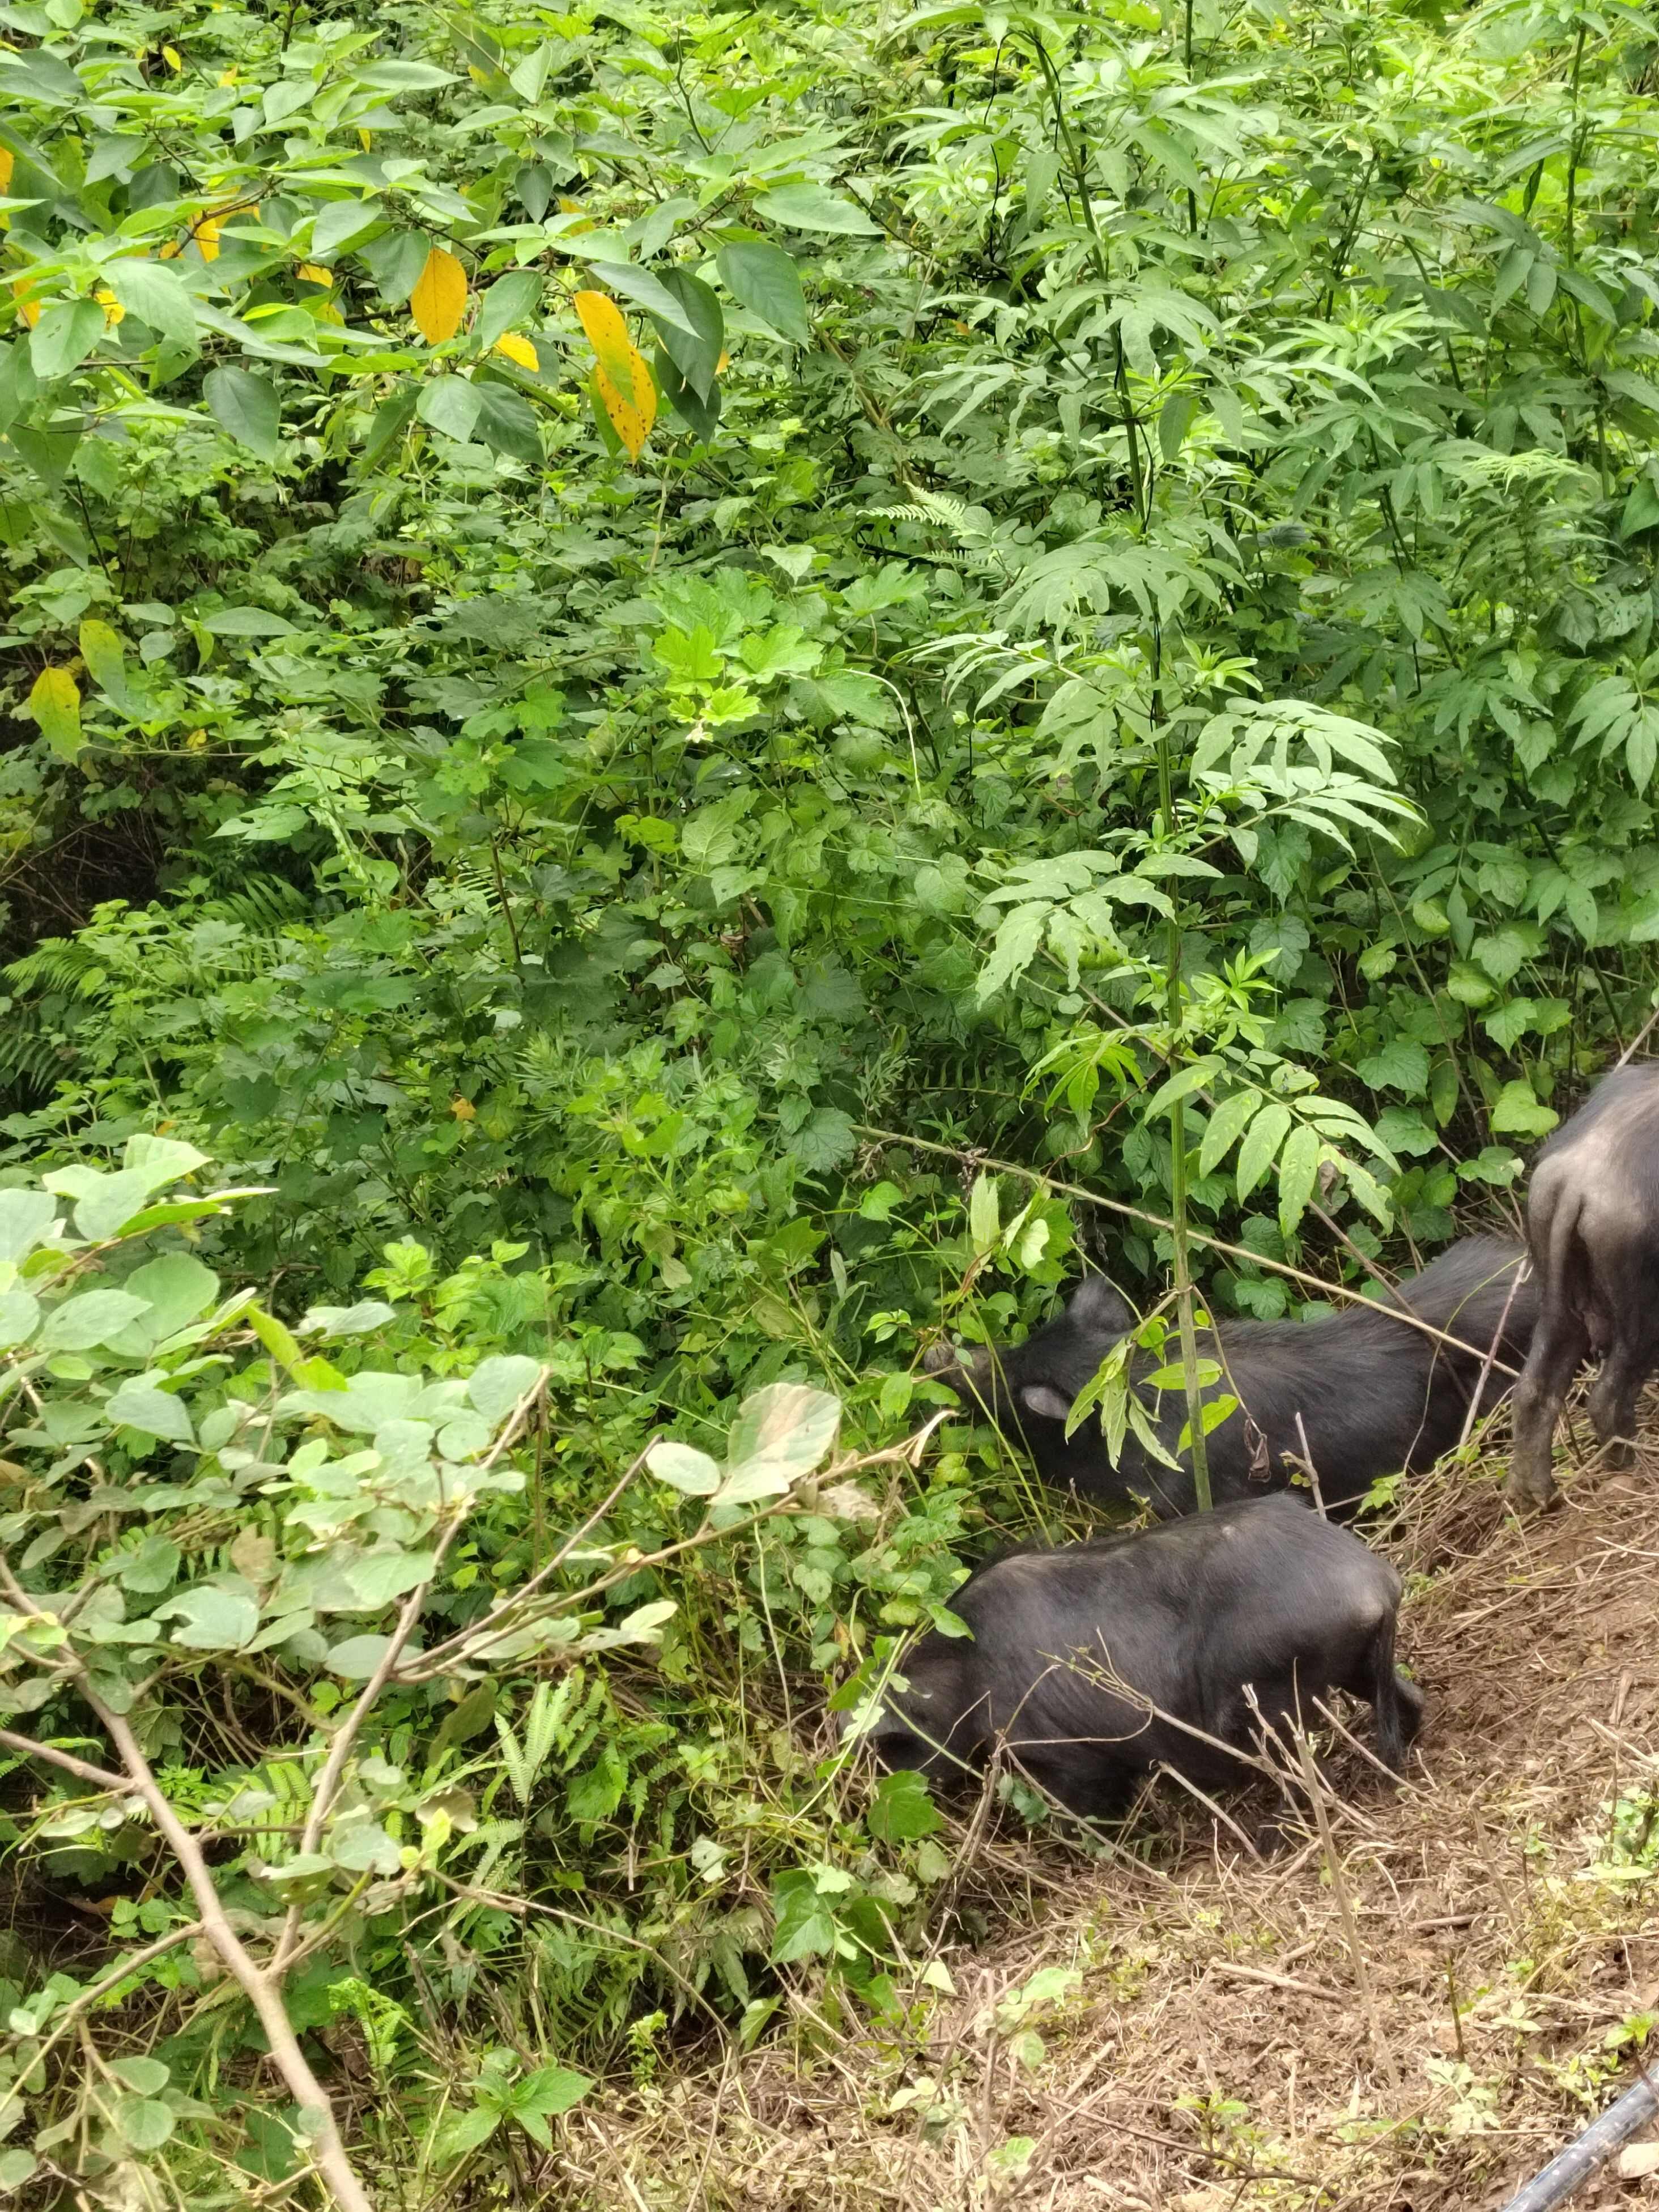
<point x="692" y="698"/>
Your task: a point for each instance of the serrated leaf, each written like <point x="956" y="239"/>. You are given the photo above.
<point x="1226" y="1125"/>
<point x="1298" y="1171"/>
<point x="438" y="301"/>
<point x="1260" y="1148"/>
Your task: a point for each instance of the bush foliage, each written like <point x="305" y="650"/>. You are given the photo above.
<point x="638" y="638"/>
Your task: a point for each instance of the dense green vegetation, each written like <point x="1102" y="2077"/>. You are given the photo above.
<point x="636" y="638"/>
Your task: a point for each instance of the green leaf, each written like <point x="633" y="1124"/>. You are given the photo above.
<point x="246" y="409"/>
<point x="496" y="1386"/>
<point x="684" y="1468"/>
<point x="506" y="422"/>
<point x="762" y="277"/>
<point x="63" y="336"/>
<point x="815" y="207"/>
<point x="157" y="1413"/>
<point x="695" y="354"/>
<point x="145" y="2077"/>
<point x="212" y="1620"/>
<point x="780" y="1434"/>
<point x="805" y="1925"/>
<point x="27" y="1219"/>
<point x="155" y="294"/>
<point x="1516" y="1113"/>
<point x="1298" y="1171"/>
<point x="984" y="1214"/>
<point x="901" y="1810"/>
<point x="548" y="2092"/>
<point x="106" y="663"/>
<point x="511" y="301"/>
<point x="144" y="2123"/>
<point x="464" y="2131"/>
<point x="1400" y="1065"/>
<point x="1225" y="1126"/>
<point x="1261" y="1146"/>
<point x="356" y="1660"/>
<point x="90" y="1317"/>
<point x="452" y="405"/>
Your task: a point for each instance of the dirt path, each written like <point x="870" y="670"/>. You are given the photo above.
<point x="1205" y="2037"/>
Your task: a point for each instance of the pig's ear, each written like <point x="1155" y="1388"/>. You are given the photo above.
<point x="1042" y="1399"/>
<point x="1098" y="1305"/>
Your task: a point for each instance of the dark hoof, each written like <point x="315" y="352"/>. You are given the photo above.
<point x="1523" y="1498"/>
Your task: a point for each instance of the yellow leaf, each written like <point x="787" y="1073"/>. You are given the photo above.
<point x="28" y="309"/>
<point x="463" y="1110"/>
<point x="207" y="236"/>
<point x="113" y="311"/>
<point x="519" y="350"/>
<point x="622" y="377"/>
<point x="55" y="703"/>
<point x="8" y="163"/>
<point x="722" y="364"/>
<point x="171" y="251"/>
<point x="229" y="75"/>
<point x="438" y="300"/>
<point x="569" y="207"/>
<point x="315" y="273"/>
<point x="170" y="56"/>
<point x="363" y="138"/>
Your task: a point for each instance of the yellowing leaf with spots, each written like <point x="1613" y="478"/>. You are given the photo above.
<point x="519" y="350"/>
<point x="438" y="300"/>
<point x="621" y="376"/>
<point x="55" y="703"/>
<point x="113" y="311"/>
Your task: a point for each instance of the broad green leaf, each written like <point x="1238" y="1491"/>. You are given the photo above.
<point x="452" y="405"/>
<point x="180" y="1290"/>
<point x="90" y="1317"/>
<point x="145" y="2077"/>
<point x="1517" y="1113"/>
<point x="63" y="336"/>
<point x="763" y="278"/>
<point x="246" y="408"/>
<point x="20" y="1310"/>
<point x="695" y="353"/>
<point x="153" y="292"/>
<point x="212" y="1620"/>
<point x="144" y="2123"/>
<point x="27" y="1219"/>
<point x="356" y="1660"/>
<point x="815" y="207"/>
<point x="511" y="302"/>
<point x="684" y="1469"/>
<point x="143" y="1406"/>
<point x="495" y="1385"/>
<point x="901" y="1809"/>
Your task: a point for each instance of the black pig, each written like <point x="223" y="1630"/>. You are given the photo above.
<point x="1072" y="1649"/>
<point x="1360" y="1394"/>
<point x="1593" y="1226"/>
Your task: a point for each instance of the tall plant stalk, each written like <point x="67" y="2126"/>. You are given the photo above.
<point x="1182" y="1259"/>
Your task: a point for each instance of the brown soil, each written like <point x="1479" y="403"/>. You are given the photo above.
<point x="1223" y="2046"/>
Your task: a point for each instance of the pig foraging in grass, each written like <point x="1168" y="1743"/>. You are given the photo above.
<point x="1084" y="1659"/>
<point x="1592" y="1228"/>
<point x="1359" y="1395"/>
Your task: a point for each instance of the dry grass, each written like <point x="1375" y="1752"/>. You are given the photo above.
<point x="1218" y="2050"/>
